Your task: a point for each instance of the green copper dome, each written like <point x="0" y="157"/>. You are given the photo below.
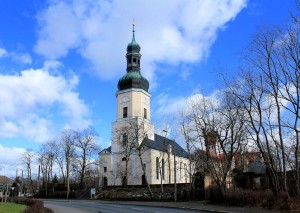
<point x="133" y="77"/>
<point x="133" y="80"/>
<point x="133" y="46"/>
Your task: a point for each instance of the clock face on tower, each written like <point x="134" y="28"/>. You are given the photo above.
<point x="125" y="99"/>
<point x="145" y="100"/>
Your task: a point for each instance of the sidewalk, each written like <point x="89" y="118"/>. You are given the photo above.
<point x="199" y="205"/>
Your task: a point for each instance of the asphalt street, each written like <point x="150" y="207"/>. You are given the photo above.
<point x="83" y="206"/>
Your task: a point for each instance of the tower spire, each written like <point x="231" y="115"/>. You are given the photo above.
<point x="133" y="25"/>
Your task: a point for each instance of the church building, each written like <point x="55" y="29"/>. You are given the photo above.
<point x="137" y="155"/>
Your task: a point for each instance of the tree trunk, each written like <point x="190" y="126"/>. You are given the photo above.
<point x="144" y="172"/>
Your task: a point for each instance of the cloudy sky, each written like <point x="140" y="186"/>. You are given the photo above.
<point x="60" y="61"/>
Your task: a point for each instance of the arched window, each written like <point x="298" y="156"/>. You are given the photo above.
<point x="125" y="111"/>
<point x="124" y="139"/>
<point x="157" y="168"/>
<point x="163" y="169"/>
<point x="124" y="159"/>
<point x="104" y="181"/>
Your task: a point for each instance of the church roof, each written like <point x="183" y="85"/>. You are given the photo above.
<point x="161" y="143"/>
<point x="107" y="149"/>
<point x="258" y="167"/>
<point x="5" y="180"/>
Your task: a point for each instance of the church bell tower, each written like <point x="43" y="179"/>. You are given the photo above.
<point x="133" y="98"/>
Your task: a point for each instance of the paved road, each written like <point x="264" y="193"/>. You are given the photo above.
<point x="79" y="206"/>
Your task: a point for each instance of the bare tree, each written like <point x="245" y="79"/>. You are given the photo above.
<point x="27" y="159"/>
<point x="269" y="89"/>
<point x="46" y="159"/>
<point x="85" y="141"/>
<point x="219" y="127"/>
<point x="68" y="145"/>
<point x="189" y="138"/>
<point x="57" y="148"/>
<point x="138" y="136"/>
<point x="250" y="91"/>
<point x="125" y="140"/>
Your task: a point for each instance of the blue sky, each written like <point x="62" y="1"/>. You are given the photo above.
<point x="60" y="61"/>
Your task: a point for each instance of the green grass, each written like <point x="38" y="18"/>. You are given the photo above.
<point x="11" y="208"/>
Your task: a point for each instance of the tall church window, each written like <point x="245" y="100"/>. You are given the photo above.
<point x="163" y="169"/>
<point x="157" y="168"/>
<point x="104" y="181"/>
<point x="105" y="169"/>
<point x="124" y="139"/>
<point x="180" y="170"/>
<point x="125" y="109"/>
<point x="145" y="113"/>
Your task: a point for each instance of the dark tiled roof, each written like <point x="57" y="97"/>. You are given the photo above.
<point x="161" y="143"/>
<point x="258" y="167"/>
<point x="107" y="149"/>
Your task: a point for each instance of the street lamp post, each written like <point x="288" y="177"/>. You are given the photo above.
<point x="175" y="185"/>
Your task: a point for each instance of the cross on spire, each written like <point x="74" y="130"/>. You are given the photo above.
<point x="133" y="25"/>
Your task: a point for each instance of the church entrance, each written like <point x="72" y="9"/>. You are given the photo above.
<point x="199" y="186"/>
<point x="124" y="180"/>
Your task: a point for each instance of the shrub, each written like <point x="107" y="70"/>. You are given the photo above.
<point x="34" y="206"/>
<point x="240" y="197"/>
<point x="215" y="196"/>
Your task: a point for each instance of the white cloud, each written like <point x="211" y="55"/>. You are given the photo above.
<point x="172" y="106"/>
<point x="36" y="104"/>
<point x="171" y="32"/>
<point x="10" y="160"/>
<point x="8" y="155"/>
<point x="3" y="52"/>
<point x="23" y="58"/>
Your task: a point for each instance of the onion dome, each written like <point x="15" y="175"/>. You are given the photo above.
<point x="133" y="80"/>
<point x="133" y="46"/>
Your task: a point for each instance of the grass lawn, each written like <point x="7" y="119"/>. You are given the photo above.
<point x="11" y="208"/>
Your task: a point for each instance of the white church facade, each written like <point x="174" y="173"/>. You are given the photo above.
<point x="137" y="155"/>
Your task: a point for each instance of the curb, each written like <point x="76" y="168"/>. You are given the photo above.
<point x="174" y="207"/>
